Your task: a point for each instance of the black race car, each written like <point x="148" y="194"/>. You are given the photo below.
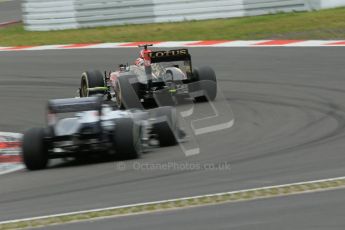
<point x="158" y="78"/>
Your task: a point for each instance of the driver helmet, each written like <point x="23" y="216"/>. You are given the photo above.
<point x="122" y="67"/>
<point x="139" y="62"/>
<point x="142" y="53"/>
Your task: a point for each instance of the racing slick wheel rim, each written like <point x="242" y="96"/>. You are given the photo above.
<point x="84" y="86"/>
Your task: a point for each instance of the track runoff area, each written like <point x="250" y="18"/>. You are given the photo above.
<point x="10" y="160"/>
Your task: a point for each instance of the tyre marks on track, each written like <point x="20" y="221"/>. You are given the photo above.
<point x="317" y="109"/>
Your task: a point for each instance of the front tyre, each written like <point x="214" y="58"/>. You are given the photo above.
<point x="126" y="92"/>
<point x="91" y="79"/>
<point x="34" y="149"/>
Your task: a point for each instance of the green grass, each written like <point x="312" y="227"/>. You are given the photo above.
<point x="325" y="24"/>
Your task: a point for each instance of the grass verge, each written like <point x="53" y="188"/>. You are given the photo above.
<point x="324" y="24"/>
<point x="176" y="204"/>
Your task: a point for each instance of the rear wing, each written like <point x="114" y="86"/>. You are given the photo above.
<point x="71" y="105"/>
<point x="170" y="56"/>
<point x="173" y="56"/>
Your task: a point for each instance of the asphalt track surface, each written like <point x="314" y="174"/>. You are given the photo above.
<point x="10" y="11"/>
<point x="289" y="126"/>
<point x="308" y="212"/>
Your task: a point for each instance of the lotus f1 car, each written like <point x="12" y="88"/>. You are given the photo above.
<point x="158" y="78"/>
<point x="78" y="127"/>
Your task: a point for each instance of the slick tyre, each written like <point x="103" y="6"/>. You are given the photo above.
<point x="34" y="149"/>
<point x="91" y="79"/>
<point x="127" y="139"/>
<point x="205" y="80"/>
<point x="126" y="92"/>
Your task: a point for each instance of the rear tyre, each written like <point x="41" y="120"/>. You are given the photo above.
<point x="91" y="79"/>
<point x="166" y="130"/>
<point x="127" y="139"/>
<point x="207" y="80"/>
<point x="34" y="149"/>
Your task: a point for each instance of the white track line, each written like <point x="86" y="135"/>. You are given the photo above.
<point x="15" y="169"/>
<point x="189" y="198"/>
<point x="14" y="135"/>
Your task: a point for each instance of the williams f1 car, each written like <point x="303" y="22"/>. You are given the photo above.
<point x="81" y="126"/>
<point x="157" y="78"/>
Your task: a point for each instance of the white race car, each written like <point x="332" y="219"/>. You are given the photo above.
<point x="81" y="126"/>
